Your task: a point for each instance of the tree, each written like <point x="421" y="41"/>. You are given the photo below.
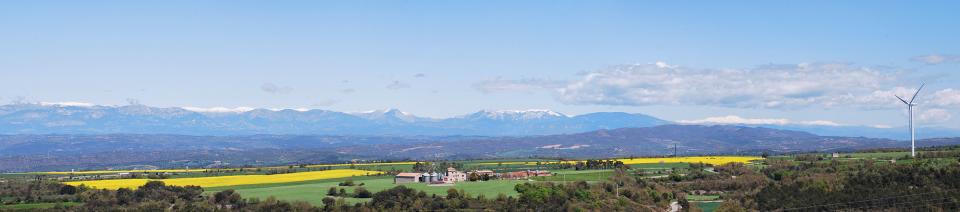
<point x="452" y="193"/>
<point x="730" y="206"/>
<point x="361" y="192"/>
<point x="68" y="190"/>
<point x="328" y="202"/>
<point x="332" y="191"/>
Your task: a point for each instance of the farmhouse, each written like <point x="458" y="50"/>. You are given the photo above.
<point x="454" y="176"/>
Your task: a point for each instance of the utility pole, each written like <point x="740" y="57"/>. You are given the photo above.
<point x="674" y="149"/>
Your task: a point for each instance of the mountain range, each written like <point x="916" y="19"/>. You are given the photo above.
<point x="140" y="119"/>
<point x="77" y="118"/>
<point x="64" y="152"/>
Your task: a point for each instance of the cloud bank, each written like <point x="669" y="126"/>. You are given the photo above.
<point x="934" y="59"/>
<point x="731" y="119"/>
<point x="791" y="86"/>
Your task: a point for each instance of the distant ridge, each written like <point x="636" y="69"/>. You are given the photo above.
<point x="84" y="118"/>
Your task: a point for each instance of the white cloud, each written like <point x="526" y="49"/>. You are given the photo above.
<point x="275" y="89"/>
<point x="522" y="85"/>
<point x="822" y="85"/>
<point x="732" y="119"/>
<point x="395" y="85"/>
<point x="933" y="116"/>
<point x="946" y="98"/>
<point x="936" y="59"/>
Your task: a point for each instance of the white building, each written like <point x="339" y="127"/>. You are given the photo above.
<point x="454" y="176"/>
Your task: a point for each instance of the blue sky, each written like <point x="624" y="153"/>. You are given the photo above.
<point x="837" y="61"/>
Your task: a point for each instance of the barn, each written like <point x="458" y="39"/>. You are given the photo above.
<point x="407" y="177"/>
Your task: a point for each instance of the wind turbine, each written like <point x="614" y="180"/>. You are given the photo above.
<point x="910" y="104"/>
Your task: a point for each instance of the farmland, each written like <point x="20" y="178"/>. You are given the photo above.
<point x="311" y="183"/>
<point x="228" y="180"/>
<point x="307" y="184"/>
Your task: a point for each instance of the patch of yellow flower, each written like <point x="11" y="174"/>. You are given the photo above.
<point x="228" y="180"/>
<point x="712" y="160"/>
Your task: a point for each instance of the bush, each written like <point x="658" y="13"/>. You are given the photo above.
<point x="361" y="192"/>
<point x="346" y="183"/>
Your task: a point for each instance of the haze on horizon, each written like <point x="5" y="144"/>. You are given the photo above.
<point x="675" y="60"/>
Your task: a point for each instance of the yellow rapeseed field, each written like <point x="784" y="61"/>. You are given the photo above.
<point x="713" y="160"/>
<point x="228" y="180"/>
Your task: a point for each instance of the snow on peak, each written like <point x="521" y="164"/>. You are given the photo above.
<point x="219" y="109"/>
<point x="387" y="113"/>
<point x="519" y="114"/>
<point x="68" y="104"/>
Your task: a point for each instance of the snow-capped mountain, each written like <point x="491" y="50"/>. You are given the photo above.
<point x="76" y="118"/>
<point x="389" y="115"/>
<point x="516" y="115"/>
<point x="83" y="118"/>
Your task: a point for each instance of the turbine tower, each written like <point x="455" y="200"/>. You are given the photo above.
<point x="910" y="104"/>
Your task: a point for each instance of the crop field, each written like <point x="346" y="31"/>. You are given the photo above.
<point x="712" y="160"/>
<point x="229" y="180"/>
<point x="585" y="175"/>
<point x="312" y="186"/>
<point x="314" y="191"/>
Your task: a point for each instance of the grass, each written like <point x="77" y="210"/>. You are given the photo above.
<point x="570" y="175"/>
<point x="45" y="205"/>
<point x="314" y="191"/>
<point x="877" y="155"/>
<point x="708" y="206"/>
<point x="703" y="197"/>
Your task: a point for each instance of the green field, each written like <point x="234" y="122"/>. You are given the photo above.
<point x="37" y="205"/>
<point x="703" y="197"/>
<point x="708" y="206"/>
<point x="314" y="191"/>
<point x="569" y="175"/>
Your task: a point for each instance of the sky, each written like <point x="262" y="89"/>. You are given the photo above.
<point x="800" y="62"/>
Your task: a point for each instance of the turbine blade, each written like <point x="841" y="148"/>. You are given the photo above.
<point x="918" y="92"/>
<point x="901" y="99"/>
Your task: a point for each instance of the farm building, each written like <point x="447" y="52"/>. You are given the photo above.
<point x="451" y="176"/>
<point x="454" y="176"/>
<point x="407" y="177"/>
<point x="526" y="174"/>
